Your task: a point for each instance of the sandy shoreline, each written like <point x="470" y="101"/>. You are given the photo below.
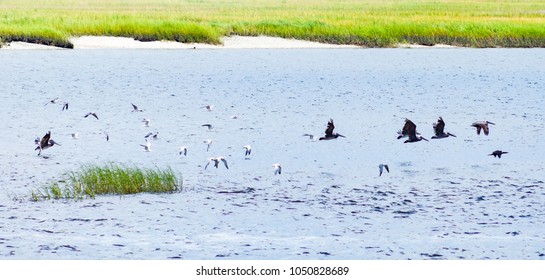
<point x="233" y="42"/>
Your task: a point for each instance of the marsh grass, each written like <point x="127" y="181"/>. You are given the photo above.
<point x="475" y="23"/>
<point x="111" y="179"/>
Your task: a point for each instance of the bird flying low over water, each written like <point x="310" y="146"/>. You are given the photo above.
<point x="208" y="107"/>
<point x="482" y="125"/>
<point x="248" y="150"/>
<point x="45" y="143"/>
<point x="153" y="136"/>
<point x="106" y="134"/>
<point x="135" y="108"/>
<point x="216" y="161"/>
<point x="498" y="153"/>
<point x="381" y="168"/>
<point x="91" y="114"/>
<point x="57" y="101"/>
<point x="310" y="137"/>
<point x="147" y="146"/>
<point x="75" y="135"/>
<point x="183" y="150"/>
<point x="146" y="122"/>
<point x="208" y="143"/>
<point x="329" y="132"/>
<point x="209" y="126"/>
<point x="439" y="128"/>
<point x="409" y="130"/>
<point x="277" y="168"/>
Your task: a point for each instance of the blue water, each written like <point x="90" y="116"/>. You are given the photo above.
<point x="442" y="199"/>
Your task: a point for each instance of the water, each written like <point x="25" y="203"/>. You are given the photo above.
<point x="442" y="199"/>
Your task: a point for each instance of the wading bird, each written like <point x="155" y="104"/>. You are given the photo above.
<point x="45" y="143"/>
<point x="409" y="130"/>
<point x="277" y="168"/>
<point x="482" y="125"/>
<point x="381" y="167"/>
<point x="329" y="132"/>
<point x="438" y="128"/>
<point x="498" y="153"/>
<point x="216" y="161"/>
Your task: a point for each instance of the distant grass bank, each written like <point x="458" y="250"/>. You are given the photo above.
<point x="470" y="23"/>
<point x="111" y="179"/>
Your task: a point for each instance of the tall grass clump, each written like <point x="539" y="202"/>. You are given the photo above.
<point x="111" y="179"/>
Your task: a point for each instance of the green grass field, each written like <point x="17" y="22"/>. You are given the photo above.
<point x="484" y="23"/>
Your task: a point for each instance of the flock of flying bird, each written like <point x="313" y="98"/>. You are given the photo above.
<point x="408" y="130"/>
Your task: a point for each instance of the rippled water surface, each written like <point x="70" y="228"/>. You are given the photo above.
<point x="443" y="199"/>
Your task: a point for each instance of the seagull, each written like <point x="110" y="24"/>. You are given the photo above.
<point x="498" y="153"/>
<point x="380" y="168"/>
<point x="91" y="114"/>
<point x="208" y="142"/>
<point x="216" y="161"/>
<point x="147" y="147"/>
<point x="310" y="137"/>
<point x="53" y="101"/>
<point x="146" y="122"/>
<point x="75" y="135"/>
<point x="154" y="136"/>
<point x="409" y="129"/>
<point x="234" y="117"/>
<point x="329" y="132"/>
<point x="248" y="150"/>
<point x="106" y="134"/>
<point x="183" y="150"/>
<point x="57" y="101"/>
<point x="208" y="107"/>
<point x="45" y="142"/>
<point x="209" y="126"/>
<point x="439" y="127"/>
<point x="277" y="168"/>
<point x="135" y="108"/>
<point x="482" y="125"/>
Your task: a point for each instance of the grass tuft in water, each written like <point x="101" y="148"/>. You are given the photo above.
<point x="111" y="179"/>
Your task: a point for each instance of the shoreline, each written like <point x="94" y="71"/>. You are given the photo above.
<point x="232" y="42"/>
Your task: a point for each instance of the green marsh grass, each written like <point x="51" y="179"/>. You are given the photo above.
<point x="111" y="179"/>
<point x="474" y="23"/>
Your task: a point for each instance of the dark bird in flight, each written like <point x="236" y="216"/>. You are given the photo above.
<point x="498" y="153"/>
<point x="482" y="125"/>
<point x="439" y="128"/>
<point x="409" y="130"/>
<point x="329" y="132"/>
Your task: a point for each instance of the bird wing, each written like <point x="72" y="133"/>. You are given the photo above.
<point x="330" y="127"/>
<point x="485" y="129"/>
<point x="45" y="139"/>
<point x="134" y="107"/>
<point x="387" y="169"/>
<point x="380" y="166"/>
<point x="225" y="162"/>
<point x="65" y="106"/>
<point x="207" y="163"/>
<point x="409" y="129"/>
<point x="439" y="126"/>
